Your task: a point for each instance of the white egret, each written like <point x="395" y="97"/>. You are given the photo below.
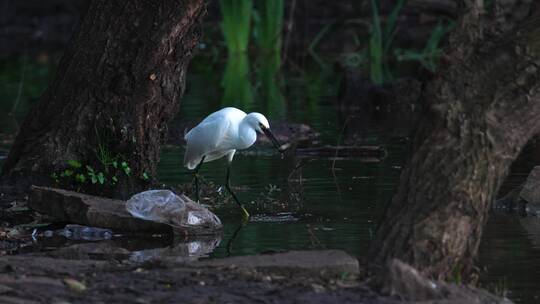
<point x="221" y="134"/>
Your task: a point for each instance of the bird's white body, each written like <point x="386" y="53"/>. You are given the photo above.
<point x="221" y="134"/>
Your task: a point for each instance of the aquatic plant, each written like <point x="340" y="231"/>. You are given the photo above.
<point x="312" y="46"/>
<point x="429" y="56"/>
<point x="267" y="34"/>
<point x="236" y="27"/>
<point x="268" y="24"/>
<point x="380" y="42"/>
<point x="267" y="30"/>
<point x="267" y="16"/>
<point x="236" y="82"/>
<point x="236" y="24"/>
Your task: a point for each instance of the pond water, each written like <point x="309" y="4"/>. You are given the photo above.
<point x="344" y="208"/>
<point x="333" y="204"/>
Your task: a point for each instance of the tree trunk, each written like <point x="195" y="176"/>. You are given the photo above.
<point x="482" y="108"/>
<point x="116" y="87"/>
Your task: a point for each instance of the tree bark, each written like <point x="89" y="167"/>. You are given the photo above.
<point x="481" y="109"/>
<point x="118" y="84"/>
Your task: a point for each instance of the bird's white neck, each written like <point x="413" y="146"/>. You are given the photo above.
<point x="246" y="134"/>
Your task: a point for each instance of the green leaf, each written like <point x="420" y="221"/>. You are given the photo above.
<point x="115" y="164"/>
<point x="67" y="172"/>
<point x="101" y="178"/>
<point x="127" y="170"/>
<point x="73" y="163"/>
<point x="124" y="165"/>
<point x="94" y="179"/>
<point x="89" y="169"/>
<point x="114" y="179"/>
<point x="80" y="178"/>
<point x="145" y="176"/>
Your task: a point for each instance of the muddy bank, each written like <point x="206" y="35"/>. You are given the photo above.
<point x="38" y="279"/>
<point x="42" y="279"/>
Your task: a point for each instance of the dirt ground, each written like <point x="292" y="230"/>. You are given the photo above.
<point x="33" y="279"/>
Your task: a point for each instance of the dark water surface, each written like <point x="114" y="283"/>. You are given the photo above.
<point x="325" y="204"/>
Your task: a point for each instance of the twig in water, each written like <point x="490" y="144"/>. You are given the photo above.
<point x="313" y="238"/>
<point x="21" y="84"/>
<point x="336" y="154"/>
<point x="232" y="238"/>
<point x="290" y="24"/>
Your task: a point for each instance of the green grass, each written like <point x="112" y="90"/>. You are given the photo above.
<point x="429" y="56"/>
<point x="380" y="42"/>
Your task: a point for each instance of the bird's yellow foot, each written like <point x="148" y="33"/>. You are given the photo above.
<point x="245" y="214"/>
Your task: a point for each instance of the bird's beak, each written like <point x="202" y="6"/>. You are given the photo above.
<point x="268" y="133"/>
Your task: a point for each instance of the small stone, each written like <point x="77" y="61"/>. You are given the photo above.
<point x="531" y="188"/>
<point x="318" y="288"/>
<point x="4" y="289"/>
<point x="152" y="77"/>
<point x="75" y="285"/>
<point x="407" y="283"/>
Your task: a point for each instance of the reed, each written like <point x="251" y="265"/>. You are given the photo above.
<point x="380" y="42"/>
<point x="236" y="82"/>
<point x="236" y="24"/>
<point x="429" y="56"/>
<point x="267" y="34"/>
<point x="268" y="25"/>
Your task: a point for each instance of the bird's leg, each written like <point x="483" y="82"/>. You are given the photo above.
<point x="196" y="175"/>
<point x="245" y="214"/>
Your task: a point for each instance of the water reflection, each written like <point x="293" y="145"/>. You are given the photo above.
<point x="190" y="250"/>
<point x="236" y="82"/>
<point x="273" y="102"/>
<point x="133" y="247"/>
<point x="345" y="222"/>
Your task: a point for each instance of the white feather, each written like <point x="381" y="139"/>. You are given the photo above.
<point x="221" y="133"/>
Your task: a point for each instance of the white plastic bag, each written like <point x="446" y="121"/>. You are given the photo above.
<point x="166" y="207"/>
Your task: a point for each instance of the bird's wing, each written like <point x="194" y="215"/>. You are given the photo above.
<point x="205" y="138"/>
<point x="216" y="132"/>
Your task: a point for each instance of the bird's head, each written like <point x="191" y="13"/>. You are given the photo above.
<point x="260" y="124"/>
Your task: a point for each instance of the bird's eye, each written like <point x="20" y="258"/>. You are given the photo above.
<point x="261" y="125"/>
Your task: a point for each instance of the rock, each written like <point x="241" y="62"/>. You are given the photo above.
<point x="96" y="211"/>
<point x="406" y="283"/>
<point x="403" y="281"/>
<point x="74" y="285"/>
<point x="531" y="188"/>
<point x="327" y="262"/>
